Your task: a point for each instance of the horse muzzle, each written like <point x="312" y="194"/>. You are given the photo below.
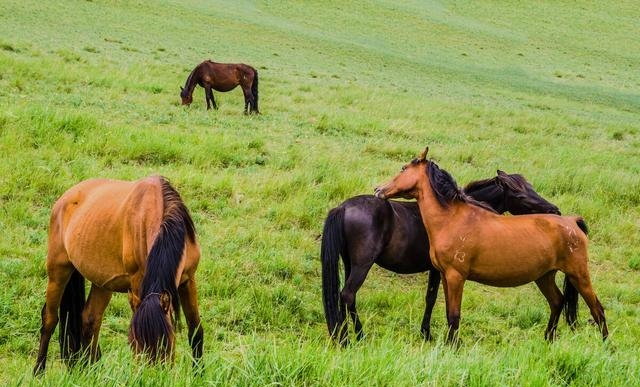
<point x="379" y="193"/>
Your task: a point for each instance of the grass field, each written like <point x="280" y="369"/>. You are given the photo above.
<point x="349" y="91"/>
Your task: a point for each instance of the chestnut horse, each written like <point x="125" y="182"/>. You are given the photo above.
<point x="467" y="242"/>
<point x="223" y="77"/>
<point x="135" y="237"/>
<point x="365" y="230"/>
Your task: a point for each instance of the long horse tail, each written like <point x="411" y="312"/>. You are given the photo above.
<point x="332" y="246"/>
<point x="570" y="303"/>
<point x="254" y="91"/>
<point x="570" y="291"/>
<point x="151" y="331"/>
<point x="71" y="306"/>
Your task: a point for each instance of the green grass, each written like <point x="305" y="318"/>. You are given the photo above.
<point x="349" y="92"/>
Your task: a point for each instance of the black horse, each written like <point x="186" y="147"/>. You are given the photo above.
<point x="365" y="230"/>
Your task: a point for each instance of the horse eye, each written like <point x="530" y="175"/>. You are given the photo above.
<point x="403" y="168"/>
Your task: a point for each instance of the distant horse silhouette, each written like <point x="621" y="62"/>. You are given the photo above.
<point x="365" y="230"/>
<point x="223" y="77"/>
<point x="135" y="237"/>
<point x="467" y="242"/>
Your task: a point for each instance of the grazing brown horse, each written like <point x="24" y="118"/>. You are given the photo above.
<point x="223" y="77"/>
<point x="135" y="237"/>
<point x="365" y="230"/>
<point x="467" y="242"/>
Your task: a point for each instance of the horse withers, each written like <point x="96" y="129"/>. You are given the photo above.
<point x="364" y="230"/>
<point x="470" y="243"/>
<point x="222" y="77"/>
<point x="122" y="236"/>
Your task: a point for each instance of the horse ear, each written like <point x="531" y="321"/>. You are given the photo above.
<point x="510" y="182"/>
<point x="165" y="302"/>
<point x="423" y="156"/>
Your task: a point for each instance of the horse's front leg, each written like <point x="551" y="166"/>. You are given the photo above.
<point x="432" y="294"/>
<point x="208" y="96"/>
<point x="189" y="301"/>
<point x="453" y="286"/>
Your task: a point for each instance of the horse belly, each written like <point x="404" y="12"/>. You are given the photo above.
<point x="103" y="268"/>
<point x="508" y="272"/>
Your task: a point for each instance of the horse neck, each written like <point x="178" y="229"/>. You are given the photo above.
<point x="192" y="81"/>
<point x="490" y="194"/>
<point x="434" y="216"/>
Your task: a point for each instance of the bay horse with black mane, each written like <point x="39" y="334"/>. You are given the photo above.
<point x="223" y="77"/>
<point x="467" y="242"/>
<point x="122" y="236"/>
<point x="365" y="230"/>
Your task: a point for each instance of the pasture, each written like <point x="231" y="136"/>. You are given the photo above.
<point x="349" y="92"/>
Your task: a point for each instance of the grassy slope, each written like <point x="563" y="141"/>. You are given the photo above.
<point x="549" y="90"/>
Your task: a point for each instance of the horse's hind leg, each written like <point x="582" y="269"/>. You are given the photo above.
<point x="189" y="301"/>
<point x="356" y="275"/>
<point x="248" y="99"/>
<point x="549" y="289"/>
<point x="59" y="275"/>
<point x="432" y="294"/>
<point x="582" y="282"/>
<point x="92" y="319"/>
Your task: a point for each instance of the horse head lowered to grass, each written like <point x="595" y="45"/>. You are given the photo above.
<point x="470" y="243"/>
<point x="135" y="237"/>
<point x="364" y="230"/>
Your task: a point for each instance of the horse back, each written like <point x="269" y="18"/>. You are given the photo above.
<point x="107" y="227"/>
<point x="391" y="232"/>
<point x="226" y="76"/>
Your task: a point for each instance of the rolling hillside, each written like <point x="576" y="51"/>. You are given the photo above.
<point x="349" y="92"/>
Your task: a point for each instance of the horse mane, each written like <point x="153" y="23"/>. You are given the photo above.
<point x="186" y="90"/>
<point x="168" y="246"/>
<point x="479" y="184"/>
<point x="447" y="190"/>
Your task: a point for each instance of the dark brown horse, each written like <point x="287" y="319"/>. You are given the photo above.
<point x="122" y="236"/>
<point x="223" y="77"/>
<point x="365" y="230"/>
<point x="467" y="242"/>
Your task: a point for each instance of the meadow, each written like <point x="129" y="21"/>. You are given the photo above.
<point x="349" y="92"/>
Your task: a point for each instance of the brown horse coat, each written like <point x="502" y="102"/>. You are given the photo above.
<point x="122" y="236"/>
<point x="467" y="242"/>
<point x="222" y="77"/>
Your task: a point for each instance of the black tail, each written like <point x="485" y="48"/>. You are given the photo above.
<point x="570" y="303"/>
<point x="71" y="306"/>
<point x="254" y="91"/>
<point x="150" y="331"/>
<point x="583" y="226"/>
<point x="332" y="246"/>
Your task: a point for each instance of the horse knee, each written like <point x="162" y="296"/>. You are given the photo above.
<point x="347" y="297"/>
